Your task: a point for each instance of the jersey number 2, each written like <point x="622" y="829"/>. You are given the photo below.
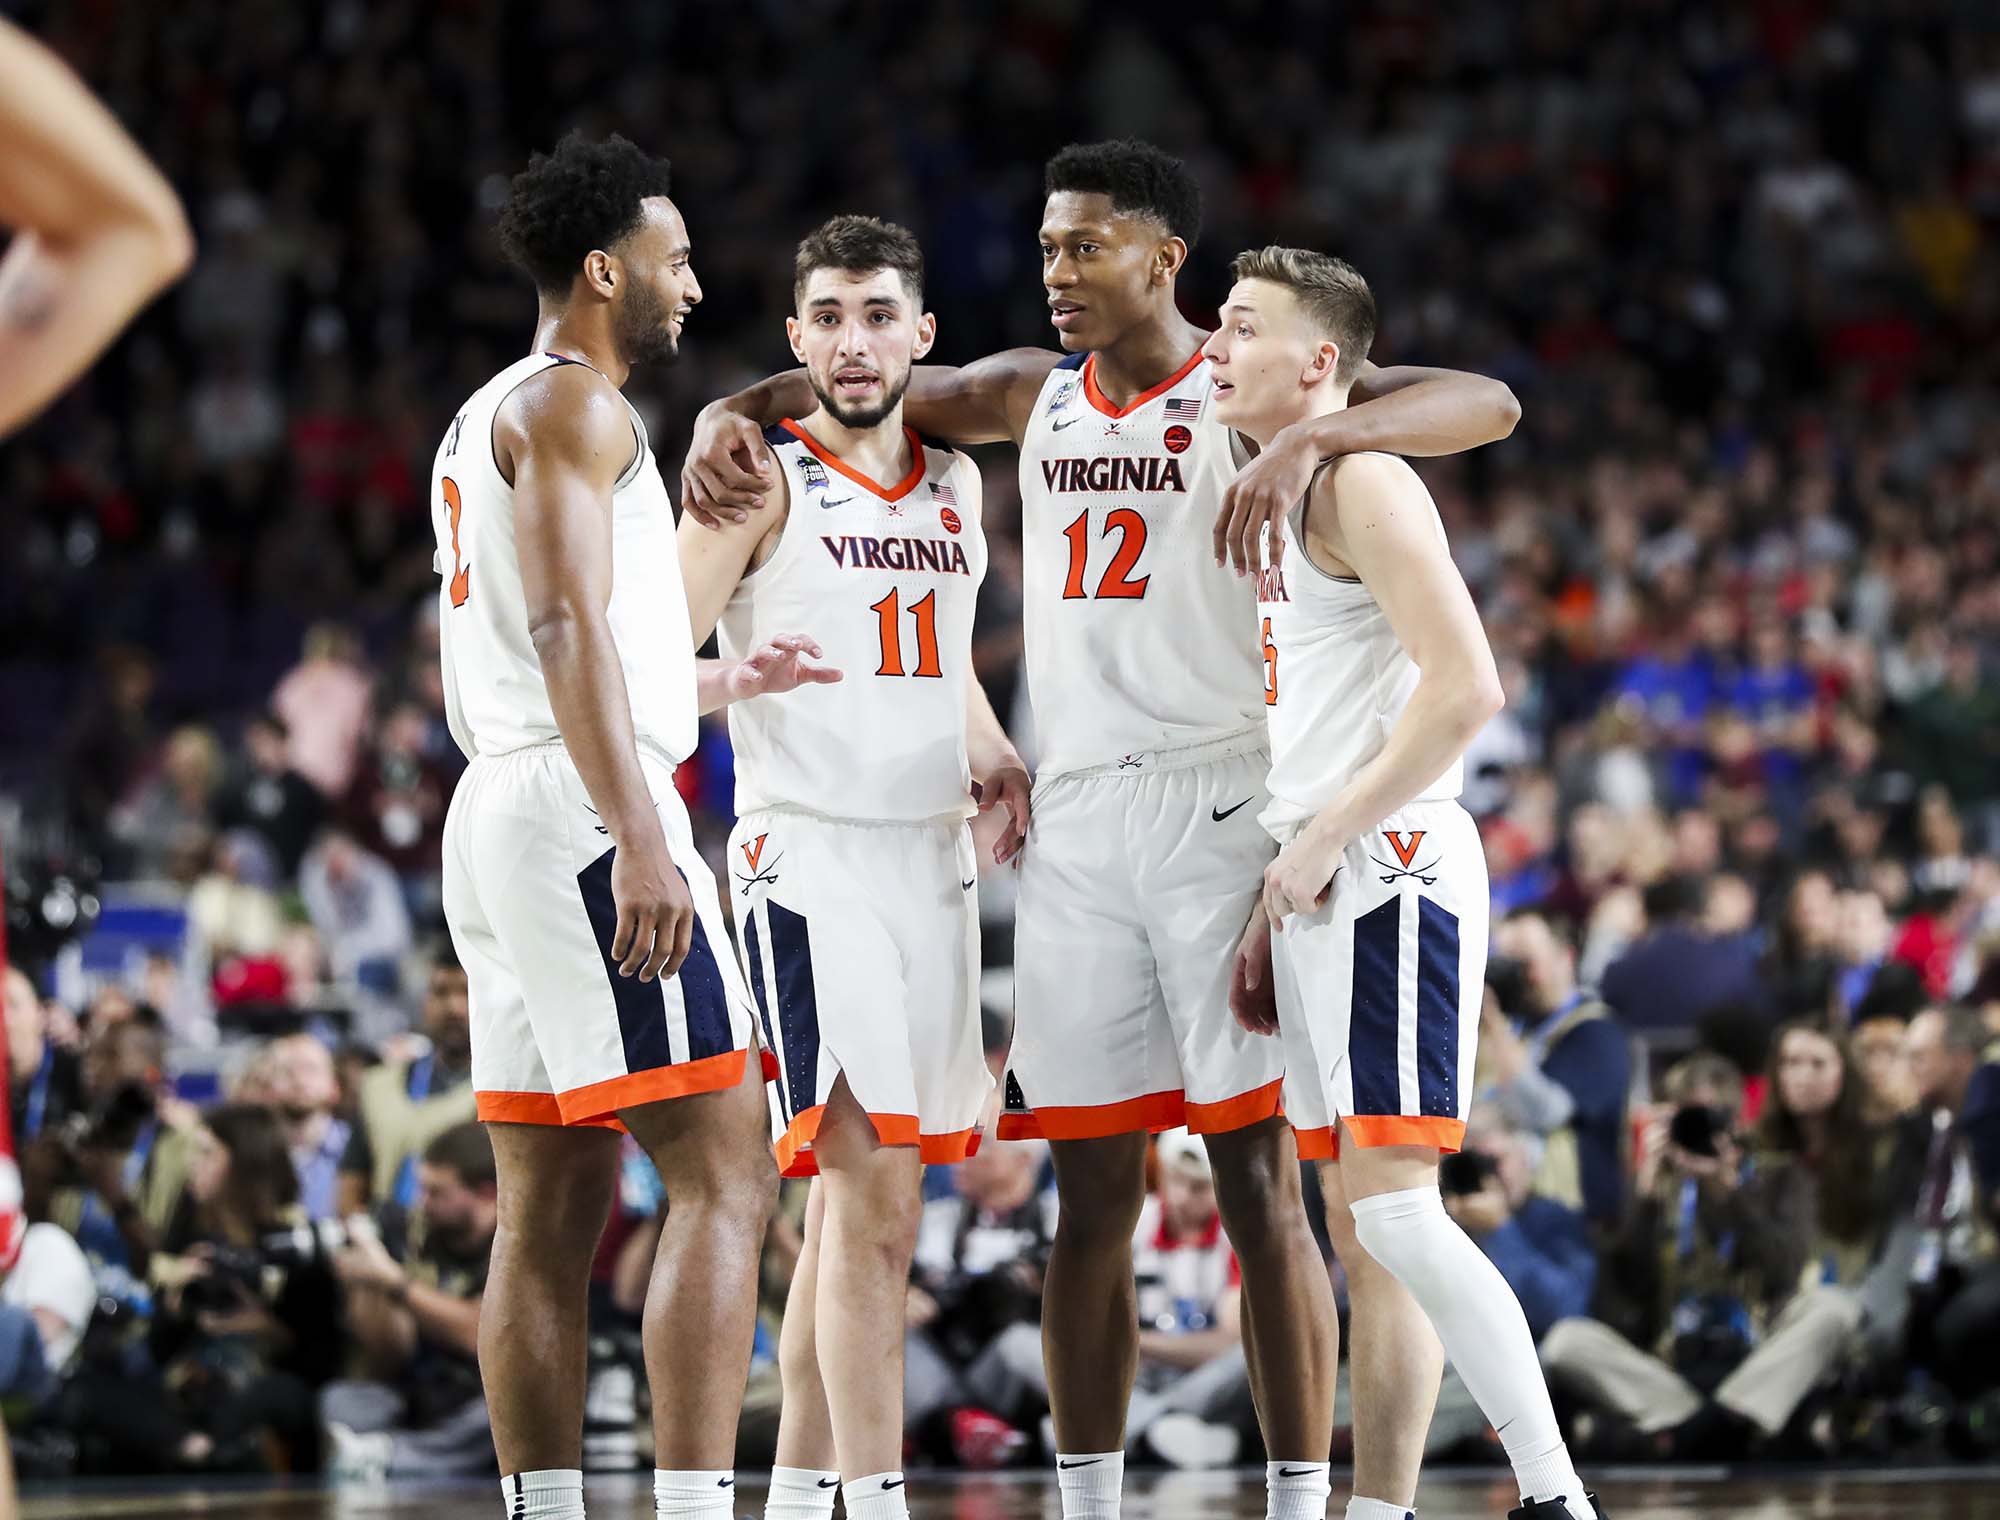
<point x="924" y="611"/>
<point x="461" y="574"/>
<point x="1117" y="579"/>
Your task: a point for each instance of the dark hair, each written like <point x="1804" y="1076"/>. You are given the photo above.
<point x="1330" y="291"/>
<point x="466" y="1150"/>
<point x="1964" y="1029"/>
<point x="1847" y="1205"/>
<point x="582" y="196"/>
<point x="441" y="954"/>
<point x="262" y="1180"/>
<point x="860" y="245"/>
<point x="1139" y="178"/>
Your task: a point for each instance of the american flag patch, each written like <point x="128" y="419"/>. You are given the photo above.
<point x="943" y="494"/>
<point x="1183" y="408"/>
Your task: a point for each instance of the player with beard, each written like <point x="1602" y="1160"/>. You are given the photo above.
<point x="1146" y="677"/>
<point x="854" y="858"/>
<point x="602" y="989"/>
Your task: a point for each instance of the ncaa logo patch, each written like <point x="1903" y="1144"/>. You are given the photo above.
<point x="1177" y="438"/>
<point x="813" y="473"/>
<point x="1062" y="397"/>
<point x="950" y="520"/>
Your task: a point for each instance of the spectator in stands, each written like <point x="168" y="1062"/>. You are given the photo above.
<point x="413" y="1301"/>
<point x="396" y="808"/>
<point x="166" y="827"/>
<point x="1954" y="1272"/>
<point x="404" y="1105"/>
<point x="110" y="737"/>
<point x="271" y="798"/>
<point x="1860" y="949"/>
<point x="356" y="904"/>
<point x="46" y="1301"/>
<point x="323" y="702"/>
<point x="1677" y="973"/>
<point x="1559" y="1065"/>
<point x="46" y="1080"/>
<point x="1877" y="1048"/>
<point x="975" y="1307"/>
<point x="294" y="1077"/>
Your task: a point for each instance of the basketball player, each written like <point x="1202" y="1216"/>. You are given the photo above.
<point x="1378" y="674"/>
<point x="1145" y="676"/>
<point x="602" y="991"/>
<point x="97" y="230"/>
<point x="859" y="924"/>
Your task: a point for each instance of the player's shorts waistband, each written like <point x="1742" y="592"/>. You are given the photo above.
<point x="649" y="749"/>
<point x="951" y="822"/>
<point x="1178" y="757"/>
<point x="1285" y="827"/>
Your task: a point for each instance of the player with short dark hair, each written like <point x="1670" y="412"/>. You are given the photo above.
<point x="602" y="989"/>
<point x="1145" y="675"/>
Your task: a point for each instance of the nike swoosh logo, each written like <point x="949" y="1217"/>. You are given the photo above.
<point x="1218" y="814"/>
<point x="1057" y="427"/>
<point x="1296" y="1472"/>
<point x="889" y="1483"/>
<point x="967" y="886"/>
<point x="1066" y="1466"/>
<point x="829" y="1482"/>
<point x="725" y="1482"/>
<point x="836" y="501"/>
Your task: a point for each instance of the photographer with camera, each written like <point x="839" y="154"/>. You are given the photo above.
<point x="412" y="1302"/>
<point x="1557" y="1065"/>
<point x="1715" y="1258"/>
<point x="243" y="1322"/>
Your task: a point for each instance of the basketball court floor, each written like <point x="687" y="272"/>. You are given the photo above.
<point x="1947" y="1493"/>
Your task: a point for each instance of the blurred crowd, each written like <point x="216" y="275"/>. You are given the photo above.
<point x="1738" y="1147"/>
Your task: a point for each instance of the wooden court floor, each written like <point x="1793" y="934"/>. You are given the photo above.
<point x="1956" y="1493"/>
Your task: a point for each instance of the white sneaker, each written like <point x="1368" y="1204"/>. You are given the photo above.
<point x="1183" y="1440"/>
<point x="357" y="1459"/>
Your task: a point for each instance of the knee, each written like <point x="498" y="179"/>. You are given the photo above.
<point x="1261" y="1208"/>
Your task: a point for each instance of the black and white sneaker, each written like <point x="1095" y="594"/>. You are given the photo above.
<point x="1555" y="1509"/>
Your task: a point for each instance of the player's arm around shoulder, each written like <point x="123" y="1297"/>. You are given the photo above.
<point x="987" y="401"/>
<point x="1372" y="513"/>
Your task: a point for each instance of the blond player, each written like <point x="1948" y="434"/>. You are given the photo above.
<point x="602" y="988"/>
<point x="1377" y="675"/>
<point x="852" y="859"/>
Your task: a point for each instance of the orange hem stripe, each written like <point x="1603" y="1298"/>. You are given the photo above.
<point x="1018" y="1127"/>
<point x="1099" y="400"/>
<point x="795" y="1157"/>
<point x="1370" y="1130"/>
<point x="684" y="1080"/>
<point x="1239" y="1112"/>
<point x="1317" y="1144"/>
<point x="530" y="1108"/>
<point x="1093" y="1121"/>
<point x="896" y="492"/>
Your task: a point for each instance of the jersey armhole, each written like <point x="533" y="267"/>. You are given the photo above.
<point x="784" y="534"/>
<point x="625" y="476"/>
<point x="1299" y="513"/>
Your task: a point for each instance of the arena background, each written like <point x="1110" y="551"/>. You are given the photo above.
<point x="1740" y="559"/>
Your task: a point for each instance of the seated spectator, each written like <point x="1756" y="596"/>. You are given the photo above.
<point x="1762" y="1267"/>
<point x="1558" y="1064"/>
<point x="1877" y="1049"/>
<point x="46" y="1080"/>
<point x="323" y="702"/>
<point x="270" y="798"/>
<point x="245" y="1322"/>
<point x="404" y="1105"/>
<point x="1861" y="949"/>
<point x="167" y="825"/>
<point x="294" y="1077"/>
<point x="396" y="807"/>
<point x="1676" y="972"/>
<point x="972" y="1356"/>
<point x="412" y="1300"/>
<point x="356" y="903"/>
<point x="46" y="1301"/>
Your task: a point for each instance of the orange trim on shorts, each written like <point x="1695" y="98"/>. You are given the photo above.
<point x="1319" y="1144"/>
<point x="683" y="1080"/>
<point x="795" y="1159"/>
<point x="1239" y="1112"/>
<point x="1095" y="1121"/>
<point x="530" y="1108"/>
<point x="1370" y="1130"/>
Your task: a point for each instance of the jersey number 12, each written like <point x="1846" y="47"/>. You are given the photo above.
<point x="1117" y="578"/>
<point x="461" y="573"/>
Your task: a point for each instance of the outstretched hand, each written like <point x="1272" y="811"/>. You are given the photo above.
<point x="787" y="662"/>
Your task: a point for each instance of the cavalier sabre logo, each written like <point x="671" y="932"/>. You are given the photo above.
<point x="1405" y="847"/>
<point x="753" y="856"/>
<point x="1104" y="473"/>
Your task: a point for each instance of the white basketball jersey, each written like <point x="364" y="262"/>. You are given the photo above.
<point x="1336" y="679"/>
<point x="494" y="694"/>
<point x="885" y="578"/>
<point x="1136" y="640"/>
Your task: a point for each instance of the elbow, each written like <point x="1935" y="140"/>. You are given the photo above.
<point x="551" y="629"/>
<point x="1505" y="408"/>
<point x="174" y="241"/>
<point x="1481" y="701"/>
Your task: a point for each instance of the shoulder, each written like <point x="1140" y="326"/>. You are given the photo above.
<point x="1368" y="474"/>
<point x="567" y="412"/>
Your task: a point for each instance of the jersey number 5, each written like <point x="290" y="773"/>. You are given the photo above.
<point x="461" y="574"/>
<point x="924" y="611"/>
<point x="1117" y="579"/>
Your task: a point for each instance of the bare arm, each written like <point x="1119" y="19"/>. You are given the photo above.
<point x="1405" y="410"/>
<point x="569" y="438"/>
<point x="98" y="230"/>
<point x="1371" y="513"/>
<point x="728" y="469"/>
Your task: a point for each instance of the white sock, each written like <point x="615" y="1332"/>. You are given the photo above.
<point x="1296" y="1490"/>
<point x="1091" y="1483"/>
<point x="881" y="1496"/>
<point x="555" y="1493"/>
<point x="801" y="1493"/>
<point x="694" y="1495"/>
<point x="1378" y="1509"/>
<point x="1483" y="1330"/>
